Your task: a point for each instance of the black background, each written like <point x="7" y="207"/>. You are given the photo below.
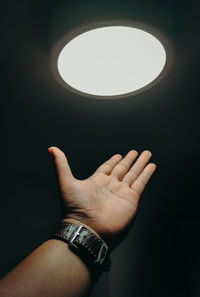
<point x="160" y="257"/>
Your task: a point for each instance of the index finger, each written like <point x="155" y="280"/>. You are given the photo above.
<point x="108" y="166"/>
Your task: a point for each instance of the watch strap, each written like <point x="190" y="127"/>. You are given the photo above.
<point x="85" y="243"/>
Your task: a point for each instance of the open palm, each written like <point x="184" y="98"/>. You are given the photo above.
<point x="106" y="201"/>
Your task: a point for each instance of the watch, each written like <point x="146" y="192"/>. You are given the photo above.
<point x="85" y="244"/>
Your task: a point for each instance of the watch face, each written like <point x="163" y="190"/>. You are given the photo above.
<point x="102" y="253"/>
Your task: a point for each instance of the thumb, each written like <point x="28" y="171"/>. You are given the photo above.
<point x="61" y="163"/>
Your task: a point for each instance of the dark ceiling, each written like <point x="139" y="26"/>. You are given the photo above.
<point x="37" y="113"/>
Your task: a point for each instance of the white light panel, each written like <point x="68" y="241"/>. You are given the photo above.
<point x="111" y="61"/>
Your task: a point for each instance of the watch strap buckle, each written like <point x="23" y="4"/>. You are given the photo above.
<point x="74" y="236"/>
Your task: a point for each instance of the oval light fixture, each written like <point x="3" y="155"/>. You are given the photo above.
<point x="112" y="61"/>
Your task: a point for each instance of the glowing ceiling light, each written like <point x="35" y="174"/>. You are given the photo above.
<point x="110" y="62"/>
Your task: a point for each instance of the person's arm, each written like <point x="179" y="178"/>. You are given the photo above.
<point x="106" y="203"/>
<point x="52" y="270"/>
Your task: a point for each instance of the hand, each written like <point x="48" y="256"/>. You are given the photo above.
<point x="107" y="201"/>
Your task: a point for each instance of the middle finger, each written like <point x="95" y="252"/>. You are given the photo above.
<point x="123" y="166"/>
<point x="137" y="168"/>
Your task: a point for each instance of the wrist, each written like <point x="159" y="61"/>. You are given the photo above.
<point x="86" y="243"/>
<point x="78" y="223"/>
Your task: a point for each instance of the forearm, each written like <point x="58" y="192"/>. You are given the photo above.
<point x="52" y="270"/>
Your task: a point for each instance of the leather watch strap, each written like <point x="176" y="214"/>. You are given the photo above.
<point x="85" y="244"/>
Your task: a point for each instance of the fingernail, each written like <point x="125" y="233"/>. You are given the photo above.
<point x="49" y="149"/>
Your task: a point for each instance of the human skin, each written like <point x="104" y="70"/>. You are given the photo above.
<point x="106" y="203"/>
